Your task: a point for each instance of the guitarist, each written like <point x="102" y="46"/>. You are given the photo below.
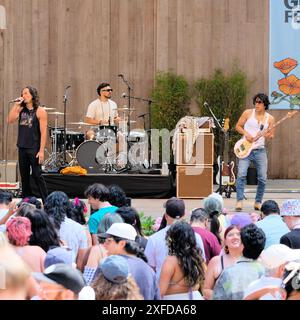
<point x="251" y="122"/>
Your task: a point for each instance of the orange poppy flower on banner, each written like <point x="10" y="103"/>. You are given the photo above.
<point x="289" y="85"/>
<point x="286" y="65"/>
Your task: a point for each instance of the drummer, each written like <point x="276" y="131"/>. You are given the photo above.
<point x="103" y="111"/>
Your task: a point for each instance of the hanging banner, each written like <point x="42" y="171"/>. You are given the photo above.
<point x="284" y="59"/>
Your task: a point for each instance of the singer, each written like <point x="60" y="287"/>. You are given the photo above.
<point x="103" y="111"/>
<point x="249" y="124"/>
<point x="32" y="136"/>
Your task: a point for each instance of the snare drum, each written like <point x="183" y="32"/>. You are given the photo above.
<point x="106" y="133"/>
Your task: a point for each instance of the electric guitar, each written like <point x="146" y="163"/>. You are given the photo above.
<point x="226" y="167"/>
<point x="243" y="147"/>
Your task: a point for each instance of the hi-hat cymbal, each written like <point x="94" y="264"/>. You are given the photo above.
<point x="48" y="109"/>
<point x="81" y="123"/>
<point x="57" y="113"/>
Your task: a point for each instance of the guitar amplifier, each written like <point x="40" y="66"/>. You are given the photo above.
<point x="194" y="181"/>
<point x="203" y="150"/>
<point x="8" y="171"/>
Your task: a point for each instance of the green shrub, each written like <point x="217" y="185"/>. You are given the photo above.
<point x="226" y="96"/>
<point x="147" y="223"/>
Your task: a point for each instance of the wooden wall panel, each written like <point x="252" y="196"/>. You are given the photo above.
<point x="54" y="43"/>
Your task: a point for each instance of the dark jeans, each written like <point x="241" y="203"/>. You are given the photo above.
<point x="27" y="159"/>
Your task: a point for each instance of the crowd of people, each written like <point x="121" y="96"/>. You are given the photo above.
<point x="57" y="251"/>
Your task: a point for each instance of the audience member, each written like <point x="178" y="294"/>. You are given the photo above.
<point x="98" y="197"/>
<point x="60" y="282"/>
<point x="235" y="279"/>
<point x="241" y="219"/>
<point x="269" y="286"/>
<point x="43" y="234"/>
<point x="130" y="216"/>
<point x="291" y="215"/>
<point x="271" y="223"/>
<point x="200" y="224"/>
<point x="114" y="281"/>
<point x="156" y="250"/>
<point x="14" y="275"/>
<point x="233" y="250"/>
<point x="18" y="234"/>
<point x="59" y="255"/>
<point x="182" y="271"/>
<point x="117" y="196"/>
<point x="70" y="232"/>
<point x="291" y="281"/>
<point x="120" y="240"/>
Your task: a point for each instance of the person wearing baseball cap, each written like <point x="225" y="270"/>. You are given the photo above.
<point x="120" y="240"/>
<point x="156" y="250"/>
<point x="60" y="282"/>
<point x="114" y="281"/>
<point x="290" y="212"/>
<point x="274" y="259"/>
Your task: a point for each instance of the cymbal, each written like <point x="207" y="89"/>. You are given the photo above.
<point x="125" y="109"/>
<point x="57" y="113"/>
<point x="48" y="109"/>
<point x="81" y="123"/>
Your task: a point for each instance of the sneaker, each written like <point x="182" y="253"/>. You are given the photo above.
<point x="257" y="206"/>
<point x="239" y="206"/>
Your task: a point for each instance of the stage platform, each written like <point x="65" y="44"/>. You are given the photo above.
<point x="135" y="185"/>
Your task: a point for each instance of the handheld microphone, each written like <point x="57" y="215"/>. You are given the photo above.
<point x="16" y="100"/>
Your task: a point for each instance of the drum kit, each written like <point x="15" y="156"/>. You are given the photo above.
<point x="98" y="149"/>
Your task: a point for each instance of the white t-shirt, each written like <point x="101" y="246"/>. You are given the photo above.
<point x="74" y="234"/>
<point x="99" y="110"/>
<point x="156" y="250"/>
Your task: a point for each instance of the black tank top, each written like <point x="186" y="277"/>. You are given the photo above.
<point x="29" y="135"/>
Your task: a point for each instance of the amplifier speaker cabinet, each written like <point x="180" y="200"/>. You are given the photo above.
<point x="8" y="171"/>
<point x="203" y="150"/>
<point x="194" y="181"/>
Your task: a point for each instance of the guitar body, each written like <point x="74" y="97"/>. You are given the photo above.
<point x="228" y="176"/>
<point x="243" y="148"/>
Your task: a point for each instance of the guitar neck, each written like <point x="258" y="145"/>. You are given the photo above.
<point x="226" y="148"/>
<point x="264" y="132"/>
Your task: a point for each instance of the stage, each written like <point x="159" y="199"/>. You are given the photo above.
<point x="135" y="185"/>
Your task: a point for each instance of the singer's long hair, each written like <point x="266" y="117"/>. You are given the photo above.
<point x="35" y="97"/>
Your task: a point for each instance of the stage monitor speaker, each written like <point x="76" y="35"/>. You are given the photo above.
<point x="9" y="171"/>
<point x="194" y="181"/>
<point x="203" y="150"/>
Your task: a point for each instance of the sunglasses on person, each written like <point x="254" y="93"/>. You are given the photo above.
<point x="258" y="101"/>
<point x="108" y="90"/>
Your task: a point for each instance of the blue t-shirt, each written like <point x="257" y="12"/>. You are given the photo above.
<point x="98" y="216"/>
<point x="274" y="228"/>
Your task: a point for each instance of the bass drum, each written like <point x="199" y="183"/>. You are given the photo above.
<point x="86" y="155"/>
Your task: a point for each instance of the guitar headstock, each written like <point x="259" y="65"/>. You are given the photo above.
<point x="226" y="124"/>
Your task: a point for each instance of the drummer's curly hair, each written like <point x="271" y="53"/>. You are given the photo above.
<point x="101" y="86"/>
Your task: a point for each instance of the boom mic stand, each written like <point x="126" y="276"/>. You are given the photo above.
<point x="65" y="124"/>
<point x="227" y="189"/>
<point x="128" y="96"/>
<point x="149" y="130"/>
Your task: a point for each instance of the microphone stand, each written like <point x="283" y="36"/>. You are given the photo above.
<point x="129" y="89"/>
<point x="220" y="189"/>
<point x="65" y="99"/>
<point x="228" y="188"/>
<point x="150" y="124"/>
